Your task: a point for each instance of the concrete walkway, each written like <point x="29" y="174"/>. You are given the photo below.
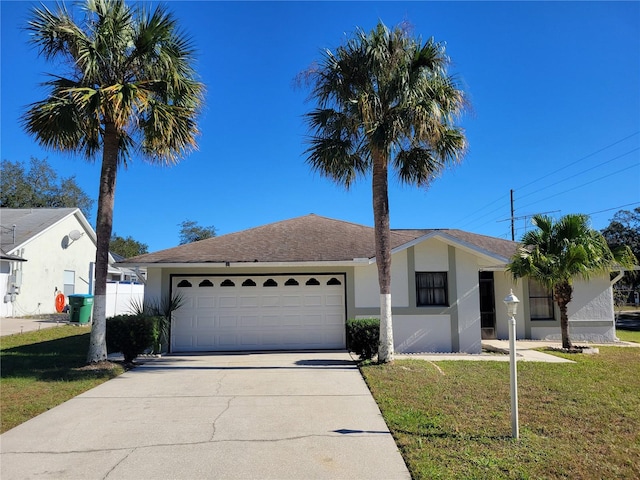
<point x="239" y="416"/>
<point x="13" y="325"/>
<point x="493" y="351"/>
<point x="498" y="351"/>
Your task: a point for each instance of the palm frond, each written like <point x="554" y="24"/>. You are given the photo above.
<point x="129" y="68"/>
<point x="398" y="100"/>
<point x="558" y="252"/>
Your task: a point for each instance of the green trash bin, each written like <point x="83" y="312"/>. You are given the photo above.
<point x="80" y="306"/>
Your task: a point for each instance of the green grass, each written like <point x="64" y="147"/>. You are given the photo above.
<point x="628" y="335"/>
<point x="577" y="421"/>
<point x="43" y="369"/>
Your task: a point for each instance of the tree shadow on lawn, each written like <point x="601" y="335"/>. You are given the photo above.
<point x="53" y="360"/>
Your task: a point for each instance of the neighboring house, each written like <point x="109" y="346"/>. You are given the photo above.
<point x="58" y="249"/>
<point x="47" y="251"/>
<point x="8" y="282"/>
<point x="293" y="284"/>
<point x="125" y="289"/>
<point x="124" y="274"/>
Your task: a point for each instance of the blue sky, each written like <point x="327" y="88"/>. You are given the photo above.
<point x="555" y="89"/>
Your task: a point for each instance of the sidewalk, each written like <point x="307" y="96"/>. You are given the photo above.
<point x="13" y="325"/>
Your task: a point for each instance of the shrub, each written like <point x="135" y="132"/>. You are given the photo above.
<point x="131" y="334"/>
<point x="161" y="307"/>
<point x="363" y="336"/>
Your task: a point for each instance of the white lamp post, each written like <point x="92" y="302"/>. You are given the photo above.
<point x="511" y="301"/>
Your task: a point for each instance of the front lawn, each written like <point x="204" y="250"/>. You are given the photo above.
<point x="451" y="420"/>
<point x="628" y="335"/>
<point x="43" y="369"/>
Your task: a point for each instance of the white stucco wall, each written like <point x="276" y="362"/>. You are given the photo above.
<point x="468" y="302"/>
<point x="422" y="333"/>
<point x="591" y="314"/>
<point x="592" y="301"/>
<point x="47" y="259"/>
<point x="432" y="255"/>
<point x="399" y="282"/>
<point x="153" y="288"/>
<point x="367" y="290"/>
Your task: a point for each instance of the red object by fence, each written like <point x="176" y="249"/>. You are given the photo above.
<point x="60" y="302"/>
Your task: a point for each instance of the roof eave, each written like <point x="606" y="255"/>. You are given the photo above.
<point x="325" y="263"/>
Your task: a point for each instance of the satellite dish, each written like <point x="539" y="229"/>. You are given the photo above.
<point x="75" y="235"/>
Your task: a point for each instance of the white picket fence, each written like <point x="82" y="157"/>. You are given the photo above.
<point x="121" y="296"/>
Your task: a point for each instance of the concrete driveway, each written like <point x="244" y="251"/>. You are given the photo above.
<point x="239" y="416"/>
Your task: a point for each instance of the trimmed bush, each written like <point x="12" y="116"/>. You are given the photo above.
<point x="363" y="336"/>
<point x="131" y="334"/>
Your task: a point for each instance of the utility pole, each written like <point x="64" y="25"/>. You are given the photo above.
<point x="513" y="230"/>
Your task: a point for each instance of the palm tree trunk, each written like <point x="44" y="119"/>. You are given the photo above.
<point x="563" y="293"/>
<point x="383" y="254"/>
<point x="104" y="224"/>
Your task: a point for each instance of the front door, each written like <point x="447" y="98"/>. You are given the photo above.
<point x="487" y="306"/>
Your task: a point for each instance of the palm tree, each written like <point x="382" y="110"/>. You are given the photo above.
<point x="128" y="89"/>
<point x="384" y="100"/>
<point x="558" y="252"/>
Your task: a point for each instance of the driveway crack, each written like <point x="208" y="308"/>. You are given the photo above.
<point x="215" y="420"/>
<point x="118" y="463"/>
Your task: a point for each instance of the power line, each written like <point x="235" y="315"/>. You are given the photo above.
<point x="537" y="180"/>
<point x="483" y="216"/>
<point x="480" y="209"/>
<point x="524" y="228"/>
<point x="580" y="173"/>
<point x="614" y="208"/>
<point x="528" y="215"/>
<point x="580" y="186"/>
<point x="579" y="160"/>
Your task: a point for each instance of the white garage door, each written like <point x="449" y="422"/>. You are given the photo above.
<point x="275" y="312"/>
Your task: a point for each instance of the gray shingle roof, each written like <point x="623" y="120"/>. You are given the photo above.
<point x="310" y="238"/>
<point x="28" y="222"/>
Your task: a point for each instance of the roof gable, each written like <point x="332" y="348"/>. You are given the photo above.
<point x="32" y="222"/>
<point x="496" y="248"/>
